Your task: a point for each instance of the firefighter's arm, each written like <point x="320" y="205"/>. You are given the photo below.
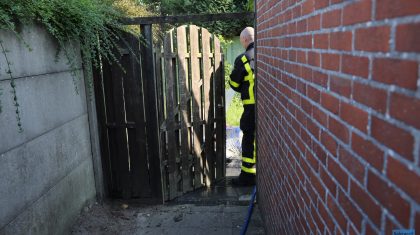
<point x="237" y="75"/>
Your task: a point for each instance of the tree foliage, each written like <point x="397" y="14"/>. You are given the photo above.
<point x="226" y="28"/>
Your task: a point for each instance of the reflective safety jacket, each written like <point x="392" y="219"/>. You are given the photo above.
<point x="242" y="76"/>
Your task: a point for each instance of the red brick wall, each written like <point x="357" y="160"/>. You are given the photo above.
<point x="338" y="115"/>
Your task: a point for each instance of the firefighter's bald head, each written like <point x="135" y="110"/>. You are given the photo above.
<point x="247" y="36"/>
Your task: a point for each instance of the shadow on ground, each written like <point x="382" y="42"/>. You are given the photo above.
<point x="170" y="219"/>
<point x="218" y="210"/>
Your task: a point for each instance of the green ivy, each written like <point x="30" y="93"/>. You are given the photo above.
<point x="93" y="24"/>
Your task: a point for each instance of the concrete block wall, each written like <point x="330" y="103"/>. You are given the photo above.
<point x="46" y="172"/>
<point x="338" y="115"/>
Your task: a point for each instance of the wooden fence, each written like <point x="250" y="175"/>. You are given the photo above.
<point x="189" y="71"/>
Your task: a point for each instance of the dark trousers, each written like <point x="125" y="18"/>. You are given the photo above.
<point x="247" y="125"/>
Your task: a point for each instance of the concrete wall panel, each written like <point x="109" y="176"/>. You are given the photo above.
<point x="41" y="59"/>
<point x="57" y="210"/>
<point x="46" y="102"/>
<point x="46" y="172"/>
<point x="28" y="172"/>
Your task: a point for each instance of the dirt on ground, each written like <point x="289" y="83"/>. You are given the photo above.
<point x="120" y="218"/>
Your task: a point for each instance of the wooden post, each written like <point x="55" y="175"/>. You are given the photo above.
<point x="151" y="109"/>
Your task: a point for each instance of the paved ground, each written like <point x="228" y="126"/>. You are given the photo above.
<point x="219" y="210"/>
<point x="170" y="219"/>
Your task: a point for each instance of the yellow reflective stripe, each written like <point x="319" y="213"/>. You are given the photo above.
<point x="250" y="78"/>
<point x="249" y="170"/>
<point x="249" y="160"/>
<point x="234" y="84"/>
<point x="251" y="91"/>
<point x="248" y="101"/>
<point x="250" y="75"/>
<point x="251" y="99"/>
<point x="244" y="59"/>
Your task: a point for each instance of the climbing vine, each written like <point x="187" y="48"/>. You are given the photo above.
<point x="12" y="85"/>
<point x="93" y="24"/>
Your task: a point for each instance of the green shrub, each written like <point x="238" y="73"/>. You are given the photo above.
<point x="93" y="24"/>
<point x="234" y="111"/>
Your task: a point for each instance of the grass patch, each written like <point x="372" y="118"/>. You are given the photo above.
<point x="234" y="111"/>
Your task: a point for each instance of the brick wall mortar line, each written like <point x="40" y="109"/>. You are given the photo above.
<point x="377" y="55"/>
<point x="343" y="211"/>
<point x="313" y="13"/>
<point x="316" y="12"/>
<point x="388" y="103"/>
<point x="279" y="13"/>
<point x="389" y="183"/>
<point x="365" y="177"/>
<point x="315" y="140"/>
<point x="377" y="230"/>
<point x="291" y="146"/>
<point x="289" y="150"/>
<point x="368" y="24"/>
<point x="412" y="216"/>
<point x="383" y="220"/>
<point x="417" y="150"/>
<point x="369" y="125"/>
<point x="417" y="94"/>
<point x="323" y="222"/>
<point x="372" y="83"/>
<point x="370" y="75"/>
<point x="364" y="224"/>
<point x="373" y="10"/>
<point x="332" y="216"/>
<point x="340" y="74"/>
<point x="385" y="164"/>
<point x="392" y="38"/>
<point x="351" y="128"/>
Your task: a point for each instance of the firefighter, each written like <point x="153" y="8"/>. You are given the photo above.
<point x="242" y="81"/>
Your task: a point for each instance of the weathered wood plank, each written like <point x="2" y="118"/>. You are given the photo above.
<point x="161" y="95"/>
<point x="98" y="79"/>
<point x="150" y="98"/>
<point x="188" y="18"/>
<point x="223" y="110"/>
<point x="109" y="98"/>
<point x="184" y="109"/>
<point x="171" y="122"/>
<point x="118" y="125"/>
<point x="139" y="172"/>
<point x="220" y="110"/>
<point x="208" y="107"/>
<point x="196" y="107"/>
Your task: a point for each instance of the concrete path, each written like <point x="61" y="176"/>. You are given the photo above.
<point x="169" y="219"/>
<point x="218" y="210"/>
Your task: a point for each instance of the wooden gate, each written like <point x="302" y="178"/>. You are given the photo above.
<point x="120" y="102"/>
<point x="189" y="72"/>
<point x="188" y="152"/>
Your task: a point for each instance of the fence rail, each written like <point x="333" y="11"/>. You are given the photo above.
<point x="187" y="18"/>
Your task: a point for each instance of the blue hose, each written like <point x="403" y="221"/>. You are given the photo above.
<point x="250" y="209"/>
